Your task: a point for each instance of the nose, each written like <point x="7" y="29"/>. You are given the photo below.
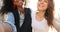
<point x="42" y="2"/>
<point x="20" y="1"/>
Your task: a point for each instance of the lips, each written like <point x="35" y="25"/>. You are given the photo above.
<point x="42" y="6"/>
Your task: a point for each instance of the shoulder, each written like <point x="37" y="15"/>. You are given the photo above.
<point x="28" y="9"/>
<point x="56" y="23"/>
<point x="8" y="16"/>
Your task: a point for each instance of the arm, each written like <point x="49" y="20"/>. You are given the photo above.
<point x="5" y="27"/>
<point x="56" y="23"/>
<point x="10" y="20"/>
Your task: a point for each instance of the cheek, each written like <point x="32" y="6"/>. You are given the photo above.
<point x="38" y="4"/>
<point x="15" y="3"/>
<point x="46" y="5"/>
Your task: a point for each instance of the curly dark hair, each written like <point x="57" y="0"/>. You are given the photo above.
<point x="7" y="6"/>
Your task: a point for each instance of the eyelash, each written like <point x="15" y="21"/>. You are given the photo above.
<point x="44" y="1"/>
<point x="39" y="0"/>
<point x="19" y="0"/>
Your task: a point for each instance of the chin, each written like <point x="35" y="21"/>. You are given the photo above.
<point x="42" y="8"/>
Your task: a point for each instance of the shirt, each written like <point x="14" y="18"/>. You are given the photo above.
<point x="42" y="26"/>
<point x="9" y="18"/>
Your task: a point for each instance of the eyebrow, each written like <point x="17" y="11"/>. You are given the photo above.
<point x="46" y="0"/>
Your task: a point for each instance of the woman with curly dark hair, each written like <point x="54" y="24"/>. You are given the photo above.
<point x="43" y="19"/>
<point x="18" y="16"/>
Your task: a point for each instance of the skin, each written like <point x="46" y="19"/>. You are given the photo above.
<point x="42" y="5"/>
<point x="19" y="4"/>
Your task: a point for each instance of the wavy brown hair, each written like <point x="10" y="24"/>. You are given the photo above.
<point x="49" y="12"/>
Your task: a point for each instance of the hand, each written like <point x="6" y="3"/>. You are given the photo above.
<point x="5" y="27"/>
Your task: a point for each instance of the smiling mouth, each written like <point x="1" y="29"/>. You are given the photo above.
<point x="42" y="6"/>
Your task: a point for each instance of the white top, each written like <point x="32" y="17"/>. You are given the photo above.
<point x="41" y="26"/>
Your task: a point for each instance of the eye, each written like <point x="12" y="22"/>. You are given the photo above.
<point x="46" y="1"/>
<point x="23" y="0"/>
<point x="19" y="0"/>
<point x="39" y="0"/>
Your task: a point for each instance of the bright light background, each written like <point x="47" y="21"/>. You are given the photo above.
<point x="33" y="5"/>
<point x="57" y="8"/>
<point x="0" y="3"/>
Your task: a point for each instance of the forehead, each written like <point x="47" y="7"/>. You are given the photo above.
<point x="42" y="0"/>
<point x="19" y="0"/>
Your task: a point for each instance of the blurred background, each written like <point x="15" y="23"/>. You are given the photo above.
<point x="1" y="4"/>
<point x="33" y="5"/>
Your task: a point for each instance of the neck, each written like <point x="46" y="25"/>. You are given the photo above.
<point x="21" y="9"/>
<point x="41" y="13"/>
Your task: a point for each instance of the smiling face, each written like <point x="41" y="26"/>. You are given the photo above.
<point x="42" y="5"/>
<point x="18" y="3"/>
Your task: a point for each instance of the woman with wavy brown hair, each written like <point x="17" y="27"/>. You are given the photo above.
<point x="43" y="19"/>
